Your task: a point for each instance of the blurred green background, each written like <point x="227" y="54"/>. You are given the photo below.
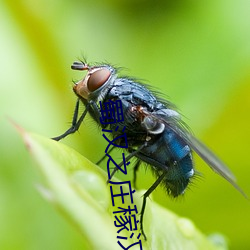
<point x="196" y="52"/>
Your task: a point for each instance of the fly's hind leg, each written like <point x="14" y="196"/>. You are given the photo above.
<point x="145" y="196"/>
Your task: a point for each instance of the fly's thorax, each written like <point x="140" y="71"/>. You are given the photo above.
<point x="95" y="84"/>
<point x="153" y="122"/>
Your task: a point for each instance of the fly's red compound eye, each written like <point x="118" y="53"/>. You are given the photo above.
<point x="97" y="79"/>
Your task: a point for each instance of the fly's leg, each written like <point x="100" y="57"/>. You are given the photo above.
<point x="136" y="167"/>
<point x="145" y="196"/>
<point x="75" y="123"/>
<point x="109" y="151"/>
<point x="126" y="159"/>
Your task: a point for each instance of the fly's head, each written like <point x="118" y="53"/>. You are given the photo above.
<point x="96" y="79"/>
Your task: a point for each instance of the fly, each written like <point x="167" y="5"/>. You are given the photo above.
<point x="156" y="134"/>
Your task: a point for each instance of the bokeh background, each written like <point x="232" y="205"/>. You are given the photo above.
<point x="196" y="52"/>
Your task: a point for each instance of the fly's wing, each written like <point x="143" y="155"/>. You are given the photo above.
<point x="212" y="160"/>
<point x="175" y="124"/>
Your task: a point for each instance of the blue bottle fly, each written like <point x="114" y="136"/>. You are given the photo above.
<point x="155" y="132"/>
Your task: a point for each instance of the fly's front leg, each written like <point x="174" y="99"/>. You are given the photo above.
<point x="75" y="123"/>
<point x="91" y="106"/>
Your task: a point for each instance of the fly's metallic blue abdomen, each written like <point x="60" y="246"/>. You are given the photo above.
<point x="169" y="153"/>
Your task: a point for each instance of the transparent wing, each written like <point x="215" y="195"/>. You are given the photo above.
<point x="175" y="124"/>
<point x="208" y="156"/>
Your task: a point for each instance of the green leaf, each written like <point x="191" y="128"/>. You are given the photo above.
<point x="78" y="189"/>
